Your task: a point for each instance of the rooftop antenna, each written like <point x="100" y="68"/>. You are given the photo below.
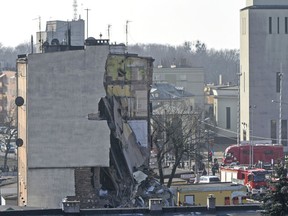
<point x="40" y="39"/>
<point x="75" y="9"/>
<point x="127" y="32"/>
<point x="109" y="26"/>
<point x="87" y="9"/>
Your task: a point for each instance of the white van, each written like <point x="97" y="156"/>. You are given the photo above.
<point x="209" y="179"/>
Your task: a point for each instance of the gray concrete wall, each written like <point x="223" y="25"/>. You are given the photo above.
<point x="63" y="88"/>
<point x="47" y="187"/>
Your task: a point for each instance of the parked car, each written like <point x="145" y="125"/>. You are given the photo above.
<point x="209" y="179"/>
<point x="3" y="129"/>
<point x="12" y="148"/>
<point x="2" y="147"/>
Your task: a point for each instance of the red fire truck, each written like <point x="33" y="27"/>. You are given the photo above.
<point x="264" y="153"/>
<point x="254" y="179"/>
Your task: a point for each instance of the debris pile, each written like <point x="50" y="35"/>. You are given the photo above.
<point x="146" y="187"/>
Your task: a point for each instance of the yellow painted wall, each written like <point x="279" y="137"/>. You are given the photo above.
<point x="200" y="197"/>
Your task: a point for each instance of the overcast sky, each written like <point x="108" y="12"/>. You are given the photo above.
<point x="214" y="22"/>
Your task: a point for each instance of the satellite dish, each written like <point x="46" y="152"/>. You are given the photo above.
<point x="19" y="142"/>
<point x="19" y="101"/>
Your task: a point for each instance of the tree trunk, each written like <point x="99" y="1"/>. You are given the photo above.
<point x="160" y="169"/>
<point x="173" y="171"/>
<point x="5" y="167"/>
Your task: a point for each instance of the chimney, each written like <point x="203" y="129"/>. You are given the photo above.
<point x="220" y="79"/>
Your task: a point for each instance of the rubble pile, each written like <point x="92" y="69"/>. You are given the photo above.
<point x="151" y="188"/>
<point x="146" y="187"/>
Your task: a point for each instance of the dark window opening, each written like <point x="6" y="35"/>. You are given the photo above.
<point x="278" y="77"/>
<point x="270" y="25"/>
<point x="273" y="130"/>
<point x="286" y="25"/>
<point x="228" y="118"/>
<point x="278" y="25"/>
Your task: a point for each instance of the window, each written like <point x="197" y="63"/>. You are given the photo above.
<point x="273" y="130"/>
<point x="270" y="25"/>
<point x="228" y="118"/>
<point x="227" y="201"/>
<point x="246" y="152"/>
<point x="278" y="78"/>
<point x="278" y="26"/>
<point x="244" y="135"/>
<point x="250" y="177"/>
<point x="268" y="152"/>
<point x="189" y="200"/>
<point x="286" y="25"/>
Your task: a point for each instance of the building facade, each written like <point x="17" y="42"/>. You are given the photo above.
<point x="57" y="32"/>
<point x="223" y="101"/>
<point x="190" y="79"/>
<point x="7" y="96"/>
<point x="59" y="89"/>
<point x="83" y="125"/>
<point x="263" y="65"/>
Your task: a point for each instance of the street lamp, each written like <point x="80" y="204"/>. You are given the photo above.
<point x="251" y="152"/>
<point x="238" y="109"/>
<point x="280" y="115"/>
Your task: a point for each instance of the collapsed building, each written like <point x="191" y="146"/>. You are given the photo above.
<point x="83" y="126"/>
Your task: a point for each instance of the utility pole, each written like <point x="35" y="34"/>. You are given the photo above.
<point x="280" y="106"/>
<point x="40" y="34"/>
<point x="109" y="26"/>
<point x="251" y="152"/>
<point x="238" y="109"/>
<point x="127" y="33"/>
<point x="87" y="10"/>
<point x="75" y="9"/>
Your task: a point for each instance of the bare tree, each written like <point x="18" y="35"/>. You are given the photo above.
<point x="177" y="133"/>
<point x="9" y="134"/>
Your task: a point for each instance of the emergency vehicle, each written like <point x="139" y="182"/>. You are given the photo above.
<point x="255" y="179"/>
<point x="264" y="153"/>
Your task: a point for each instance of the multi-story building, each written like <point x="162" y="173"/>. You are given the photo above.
<point x="64" y="33"/>
<point x="264" y="66"/>
<point x="166" y="94"/>
<point x="223" y="102"/>
<point x="79" y="114"/>
<point x="190" y="79"/>
<point x="7" y="96"/>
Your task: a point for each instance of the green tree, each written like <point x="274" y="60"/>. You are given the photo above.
<point x="275" y="202"/>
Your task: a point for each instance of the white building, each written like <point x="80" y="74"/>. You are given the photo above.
<point x="263" y="57"/>
<point x="225" y="108"/>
